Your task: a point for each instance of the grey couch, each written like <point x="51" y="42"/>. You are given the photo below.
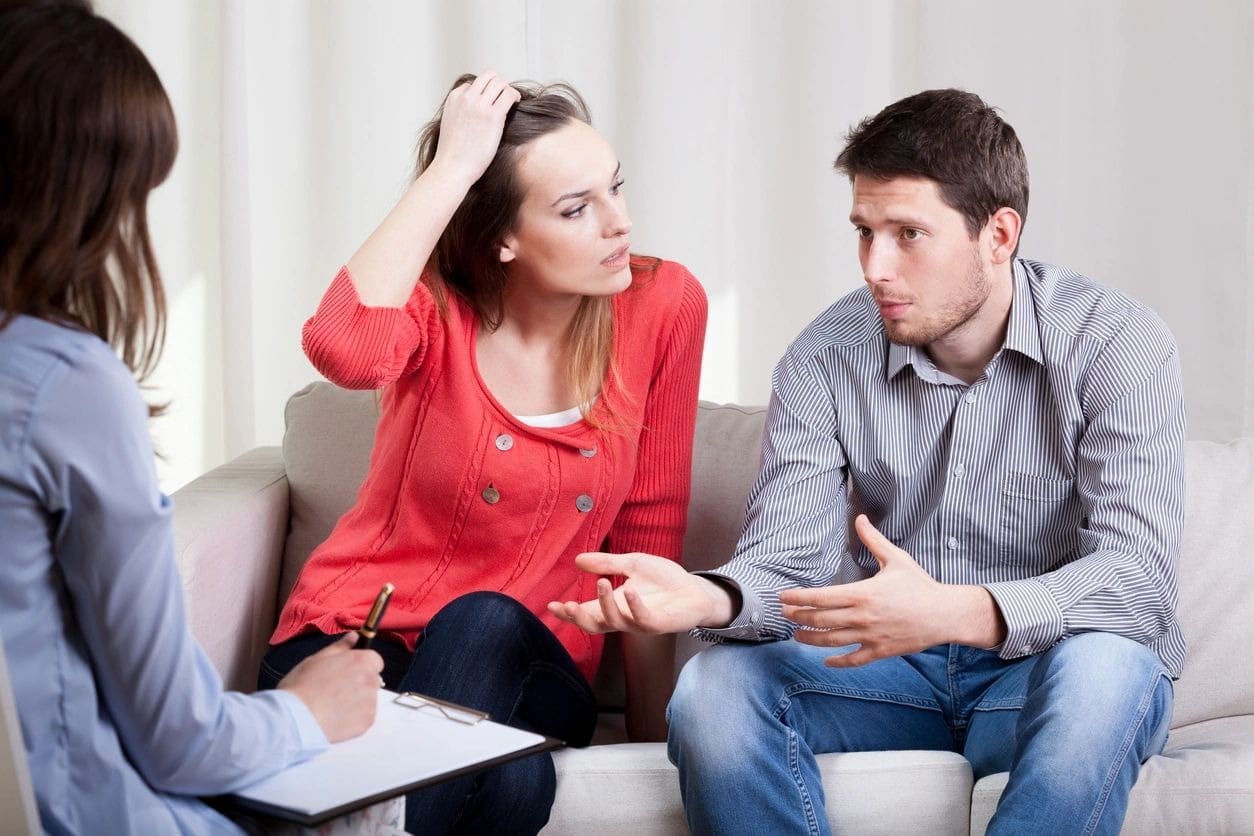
<point x="244" y="529"/>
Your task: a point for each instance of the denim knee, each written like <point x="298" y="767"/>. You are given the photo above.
<point x="1100" y="682"/>
<point x="1099" y="663"/>
<point x="725" y="696"/>
<point x="480" y="611"/>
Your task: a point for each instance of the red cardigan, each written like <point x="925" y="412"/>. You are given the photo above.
<point x="460" y="496"/>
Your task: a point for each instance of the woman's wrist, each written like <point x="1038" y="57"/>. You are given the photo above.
<point x="447" y="174"/>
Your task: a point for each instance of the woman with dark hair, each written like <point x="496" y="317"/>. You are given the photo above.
<point x="539" y="386"/>
<point x="123" y="717"/>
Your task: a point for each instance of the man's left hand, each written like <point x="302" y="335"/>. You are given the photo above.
<point x="900" y="610"/>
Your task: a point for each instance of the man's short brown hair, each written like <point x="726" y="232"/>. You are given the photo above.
<point x="948" y="136"/>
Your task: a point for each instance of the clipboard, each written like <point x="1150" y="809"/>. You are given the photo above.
<point x="415" y="742"/>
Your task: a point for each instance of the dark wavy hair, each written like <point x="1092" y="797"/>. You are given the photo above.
<point x="948" y="136"/>
<point x="86" y="132"/>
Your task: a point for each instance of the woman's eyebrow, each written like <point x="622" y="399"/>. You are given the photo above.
<point x="617" y="169"/>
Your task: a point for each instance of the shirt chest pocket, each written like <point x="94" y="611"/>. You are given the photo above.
<point x="1039" y="520"/>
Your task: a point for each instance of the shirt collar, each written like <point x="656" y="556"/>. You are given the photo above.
<point x="1022" y="334"/>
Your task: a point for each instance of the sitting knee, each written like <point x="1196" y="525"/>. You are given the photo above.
<point x="482" y="612"/>
<point x="727" y="686"/>
<point x="1108" y="673"/>
<point x="1100" y="655"/>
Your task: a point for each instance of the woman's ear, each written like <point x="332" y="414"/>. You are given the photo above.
<point x="507" y="253"/>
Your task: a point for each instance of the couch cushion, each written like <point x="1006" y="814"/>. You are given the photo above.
<point x="1203" y="782"/>
<point x="726" y="453"/>
<point x="636" y="788"/>
<point x="326" y="450"/>
<point x="1217" y="582"/>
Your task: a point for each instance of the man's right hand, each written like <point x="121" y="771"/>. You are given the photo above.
<point x="658" y="596"/>
<point x="340" y="686"/>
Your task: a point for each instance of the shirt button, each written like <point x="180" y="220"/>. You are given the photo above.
<point x="491" y="495"/>
<point x="952" y="542"/>
<point x="584" y="503"/>
<point x="1027" y="648"/>
<point x="755" y="618"/>
<point x="959" y="469"/>
<point x="588" y="452"/>
<point x="970" y="397"/>
<point x="504" y="442"/>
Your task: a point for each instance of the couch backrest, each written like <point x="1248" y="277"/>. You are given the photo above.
<point x="330" y="432"/>
<point x="326" y="450"/>
<point x="1217" y="582"/>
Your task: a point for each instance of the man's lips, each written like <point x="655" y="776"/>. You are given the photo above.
<point x="892" y="309"/>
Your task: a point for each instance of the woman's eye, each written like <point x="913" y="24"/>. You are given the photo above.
<point x="614" y="189"/>
<point x="576" y="212"/>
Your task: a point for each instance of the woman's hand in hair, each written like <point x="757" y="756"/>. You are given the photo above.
<point x="471" y="125"/>
<point x="658" y="596"/>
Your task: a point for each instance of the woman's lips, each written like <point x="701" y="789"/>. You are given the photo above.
<point x="618" y="258"/>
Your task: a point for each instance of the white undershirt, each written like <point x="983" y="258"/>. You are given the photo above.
<point x="552" y="420"/>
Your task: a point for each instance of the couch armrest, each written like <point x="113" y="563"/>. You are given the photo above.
<point x="229" y="528"/>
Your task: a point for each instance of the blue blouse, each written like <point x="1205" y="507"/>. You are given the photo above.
<point x="123" y="717"/>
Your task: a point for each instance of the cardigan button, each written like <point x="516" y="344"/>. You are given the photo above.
<point x="504" y="442"/>
<point x="587" y="452"/>
<point x="584" y="503"/>
<point x="491" y="495"/>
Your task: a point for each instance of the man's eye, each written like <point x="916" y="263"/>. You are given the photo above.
<point x="911" y="234"/>
<point x="862" y="232"/>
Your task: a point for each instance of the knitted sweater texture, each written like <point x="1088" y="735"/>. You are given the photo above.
<point x="460" y="496"/>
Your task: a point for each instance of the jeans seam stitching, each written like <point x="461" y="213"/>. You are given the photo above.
<point x="1142" y="711"/>
<point x="862" y="694"/>
<point x="794" y="766"/>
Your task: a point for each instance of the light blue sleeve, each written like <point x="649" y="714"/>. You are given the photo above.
<point x="113" y="545"/>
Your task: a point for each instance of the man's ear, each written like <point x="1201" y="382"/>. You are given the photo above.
<point x="506" y="250"/>
<point x="1004" y="226"/>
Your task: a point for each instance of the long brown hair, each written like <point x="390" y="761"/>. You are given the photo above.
<point x="86" y="132"/>
<point x="467" y="253"/>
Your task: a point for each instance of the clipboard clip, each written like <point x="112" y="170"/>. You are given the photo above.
<point x="451" y="711"/>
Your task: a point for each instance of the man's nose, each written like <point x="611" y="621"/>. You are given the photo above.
<point x="878" y="262"/>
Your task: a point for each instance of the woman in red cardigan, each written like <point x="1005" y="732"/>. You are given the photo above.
<point x="539" y="389"/>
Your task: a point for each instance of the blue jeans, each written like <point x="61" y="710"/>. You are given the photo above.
<point x="486" y="651"/>
<point x="1072" y="725"/>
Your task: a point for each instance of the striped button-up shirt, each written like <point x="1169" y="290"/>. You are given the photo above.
<point x="1055" y="480"/>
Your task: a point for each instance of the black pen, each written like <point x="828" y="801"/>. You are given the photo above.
<point x="368" y="630"/>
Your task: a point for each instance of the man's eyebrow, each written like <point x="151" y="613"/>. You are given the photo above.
<point x="858" y="219"/>
<point x="584" y="193"/>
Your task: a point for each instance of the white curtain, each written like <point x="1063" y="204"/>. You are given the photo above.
<point x="298" y="121"/>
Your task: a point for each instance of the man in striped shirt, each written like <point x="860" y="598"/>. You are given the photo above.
<point x="1015" y="432"/>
